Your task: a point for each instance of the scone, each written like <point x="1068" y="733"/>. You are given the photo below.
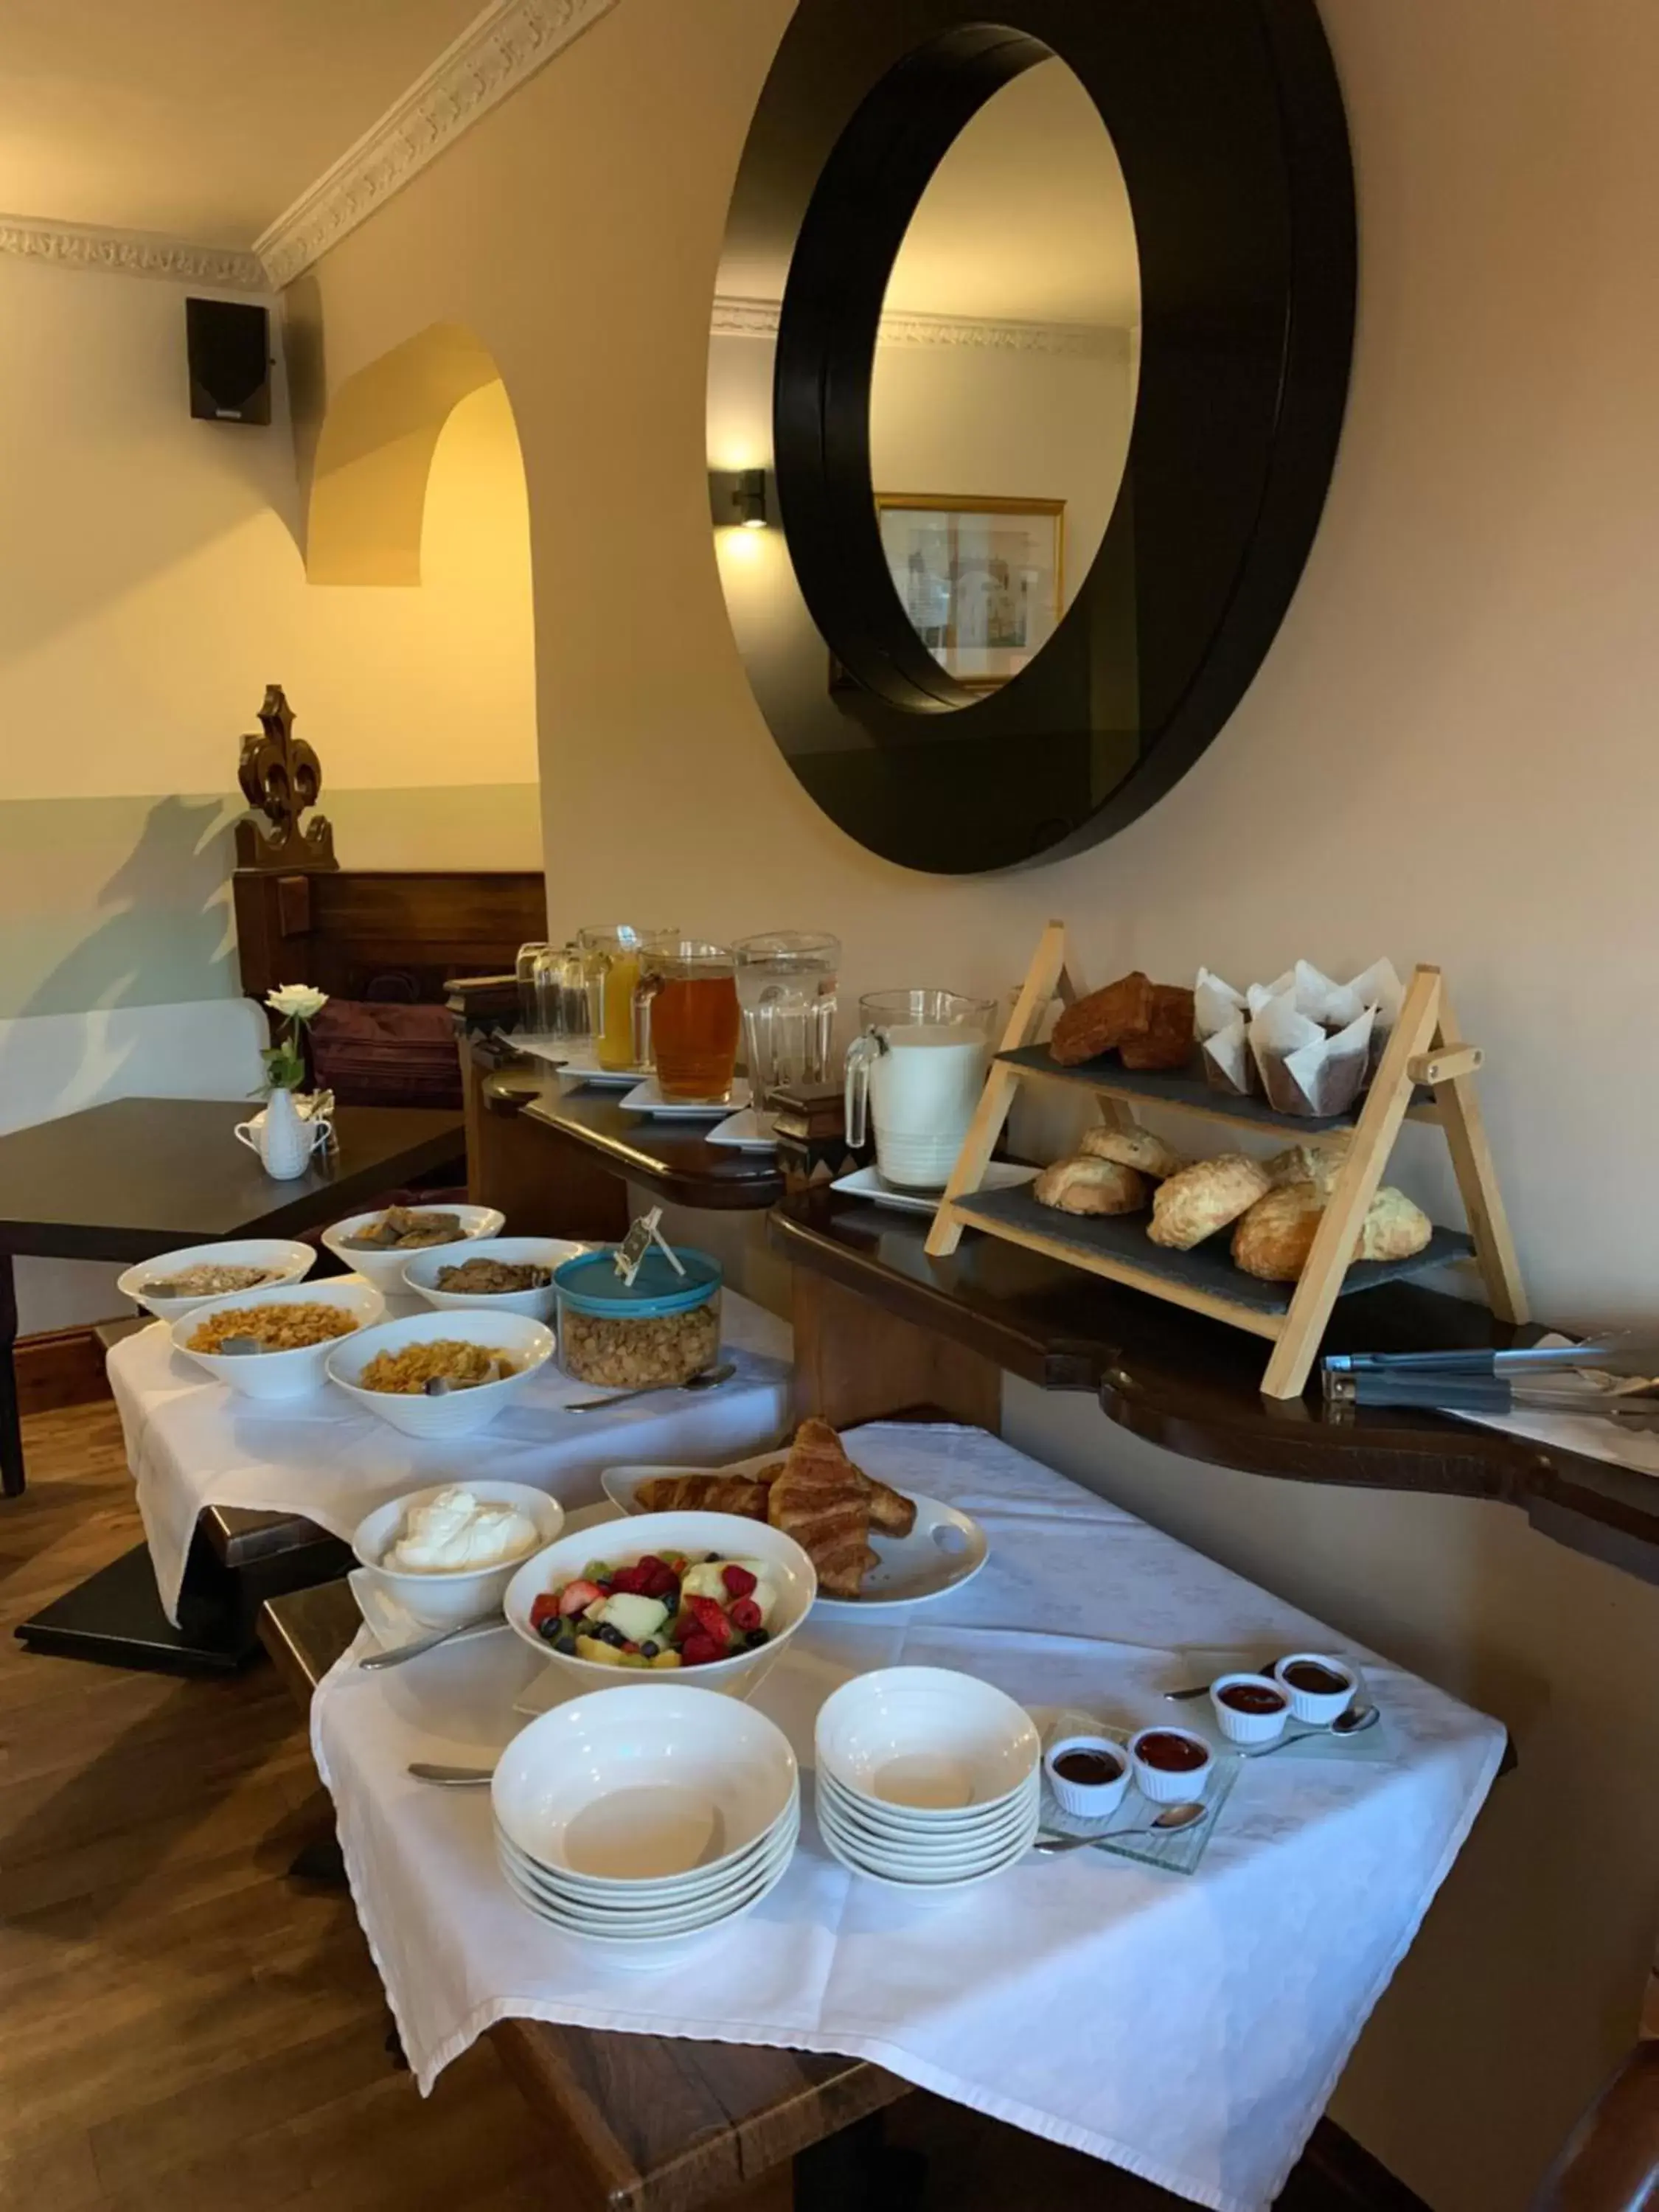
<point x="1167" y="1039"/>
<point x="1203" y="1198"/>
<point x="1314" y="1163"/>
<point x="1135" y="1148"/>
<point x="1274" y="1238"/>
<point x="1087" y="1185"/>
<point x="1395" y="1229"/>
<point x="1103" y="1020"/>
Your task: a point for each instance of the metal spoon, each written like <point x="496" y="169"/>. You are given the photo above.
<point x="1354" y="1721"/>
<point x="452" y="1777"/>
<point x="1173" y="1818"/>
<point x="710" y="1379"/>
<point x="396" y="1657"/>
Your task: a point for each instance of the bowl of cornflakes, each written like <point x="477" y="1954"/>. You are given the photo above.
<point x="441" y="1374"/>
<point x="276" y="1343"/>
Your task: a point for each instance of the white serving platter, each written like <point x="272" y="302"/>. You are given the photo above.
<point x="647" y="1098"/>
<point x="865" y="1183"/>
<point x="944" y="1550"/>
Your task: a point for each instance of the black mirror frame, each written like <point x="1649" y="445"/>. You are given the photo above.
<point x="1228" y="120"/>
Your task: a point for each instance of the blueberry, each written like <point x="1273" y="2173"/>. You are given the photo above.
<point x="609" y="1632"/>
<point x="710" y="1558"/>
<point x="549" y="1628"/>
<point x="757" y="1638"/>
<point x="649" y="1650"/>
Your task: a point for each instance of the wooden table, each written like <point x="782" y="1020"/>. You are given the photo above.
<point x="139" y="1176"/>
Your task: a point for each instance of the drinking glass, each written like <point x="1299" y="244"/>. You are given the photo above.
<point x="562" y="994"/>
<point x="685" y="1017"/>
<point x="786" y="990"/>
<point x="529" y="1017"/>
<point x="610" y="954"/>
<point x="917" y="1070"/>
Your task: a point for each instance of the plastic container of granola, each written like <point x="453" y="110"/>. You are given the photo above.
<point x="663" y="1328"/>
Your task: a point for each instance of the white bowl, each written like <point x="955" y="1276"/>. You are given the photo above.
<point x="446" y="1597"/>
<point x="927" y="1740"/>
<point x="386" y="1269"/>
<point x="646" y="1953"/>
<point x="695" y="1534"/>
<point x="287" y="1262"/>
<point x="1171" y="1786"/>
<point x="968" y="1849"/>
<point x="528" y="1344"/>
<point x="421" y="1272"/>
<point x="642" y="1783"/>
<point x="280" y="1374"/>
<point x="1087" y="1800"/>
<point x="1249" y="1728"/>
<point x="900" y="1874"/>
<point x="971" y="1827"/>
<point x="1317" y="1710"/>
<point x="660" y="1912"/>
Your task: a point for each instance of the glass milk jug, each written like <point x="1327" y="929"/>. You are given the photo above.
<point x="916" y="1072"/>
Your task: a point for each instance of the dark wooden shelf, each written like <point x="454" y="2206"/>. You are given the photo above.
<point x="1193" y="1385"/>
<point x="672" y="1159"/>
<point x="1187" y="1090"/>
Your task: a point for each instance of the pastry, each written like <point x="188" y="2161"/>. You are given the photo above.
<point x="819" y="1500"/>
<point x="1089" y="1185"/>
<point x="1103" y="1020"/>
<point x="1203" y="1198"/>
<point x="1314" y="1163"/>
<point x="1274" y="1238"/>
<point x="1134" y="1148"/>
<point x="703" y="1494"/>
<point x="1167" y="1039"/>
<point x="1395" y="1229"/>
<point x="1276" y="1235"/>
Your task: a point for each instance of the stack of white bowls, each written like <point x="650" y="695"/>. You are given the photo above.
<point x="643" y="1819"/>
<point x="926" y="1780"/>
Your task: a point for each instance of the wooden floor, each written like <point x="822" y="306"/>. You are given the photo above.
<point x="182" y="2027"/>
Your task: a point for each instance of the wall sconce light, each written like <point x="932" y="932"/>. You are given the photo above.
<point x="749" y="499"/>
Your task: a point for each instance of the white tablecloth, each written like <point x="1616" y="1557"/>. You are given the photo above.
<point x="191" y="1443"/>
<point x="1190" y="2028"/>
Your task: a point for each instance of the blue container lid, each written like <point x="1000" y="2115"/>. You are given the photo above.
<point x="591" y="1284"/>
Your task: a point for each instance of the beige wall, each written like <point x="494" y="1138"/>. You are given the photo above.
<point x="1449" y="755"/>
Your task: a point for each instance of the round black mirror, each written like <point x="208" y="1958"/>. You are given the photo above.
<point x="1026" y="378"/>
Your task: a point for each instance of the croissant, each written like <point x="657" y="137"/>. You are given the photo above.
<point x="819" y="1500"/>
<point x="703" y="1494"/>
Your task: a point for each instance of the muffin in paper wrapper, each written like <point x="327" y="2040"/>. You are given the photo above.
<point x="1220" y="1026"/>
<point x="1304" y="1070"/>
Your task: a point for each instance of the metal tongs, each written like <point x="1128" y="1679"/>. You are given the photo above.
<point x="1609" y="1377"/>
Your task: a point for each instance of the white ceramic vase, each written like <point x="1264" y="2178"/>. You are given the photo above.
<point x="285" y="1141"/>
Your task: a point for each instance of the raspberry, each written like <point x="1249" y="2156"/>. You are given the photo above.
<point x="740" y="1583"/>
<point x="698" y="1650"/>
<point x="710" y="1617"/>
<point x="745" y="1614"/>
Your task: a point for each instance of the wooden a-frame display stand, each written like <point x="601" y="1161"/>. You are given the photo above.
<point x="1424" y="1055"/>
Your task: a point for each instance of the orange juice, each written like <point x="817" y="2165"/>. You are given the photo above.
<point x="616" y="974"/>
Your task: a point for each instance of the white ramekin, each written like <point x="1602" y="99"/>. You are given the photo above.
<point x="1162" y="1787"/>
<point x="1088" y="1801"/>
<point x="1250" y="1728"/>
<point x="1317" y="1711"/>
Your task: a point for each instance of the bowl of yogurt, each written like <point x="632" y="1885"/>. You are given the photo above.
<point x="447" y="1554"/>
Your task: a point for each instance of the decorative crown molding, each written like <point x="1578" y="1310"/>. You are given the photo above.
<point x="498" y="51"/>
<point x="758" y="318"/>
<point x="130" y="254"/>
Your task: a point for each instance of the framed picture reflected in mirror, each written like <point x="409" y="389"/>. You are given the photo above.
<point x="982" y="581"/>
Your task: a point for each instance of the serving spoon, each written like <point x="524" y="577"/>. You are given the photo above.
<point x="1169" y="1821"/>
<point x="452" y="1777"/>
<point x="710" y="1379"/>
<point x="1354" y="1721"/>
<point x="396" y="1656"/>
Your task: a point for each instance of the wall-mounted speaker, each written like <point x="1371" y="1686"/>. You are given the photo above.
<point x="228" y="346"/>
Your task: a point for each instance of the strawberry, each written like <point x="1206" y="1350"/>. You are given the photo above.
<point x="544" y="1607"/>
<point x="710" y="1617"/>
<point x="698" y="1650"/>
<point x="745" y="1614"/>
<point x="740" y="1583"/>
<point x="577" y="1596"/>
<point x="651" y="1565"/>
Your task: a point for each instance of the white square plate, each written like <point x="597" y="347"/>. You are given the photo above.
<point x="577" y="1070"/>
<point x="1001" y="1175"/>
<point x="751" y="1131"/>
<point x="647" y="1098"/>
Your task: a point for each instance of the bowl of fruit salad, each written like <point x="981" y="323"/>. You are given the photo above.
<point x="704" y="1597"/>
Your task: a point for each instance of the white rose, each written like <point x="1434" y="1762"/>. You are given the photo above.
<point x="297" y="1001"/>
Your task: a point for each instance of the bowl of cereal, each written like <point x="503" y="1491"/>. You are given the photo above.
<point x="177" y="1282"/>
<point x="658" y="1330"/>
<point x="497" y="1275"/>
<point x="276" y="1343"/>
<point x="441" y="1374"/>
<point x="380" y="1245"/>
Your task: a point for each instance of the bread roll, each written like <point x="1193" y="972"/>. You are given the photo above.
<point x="1090" y="1186"/>
<point x="1135" y="1148"/>
<point x="1274" y="1238"/>
<point x="1315" y="1163"/>
<point x="1395" y="1229"/>
<point x="1203" y="1198"/>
